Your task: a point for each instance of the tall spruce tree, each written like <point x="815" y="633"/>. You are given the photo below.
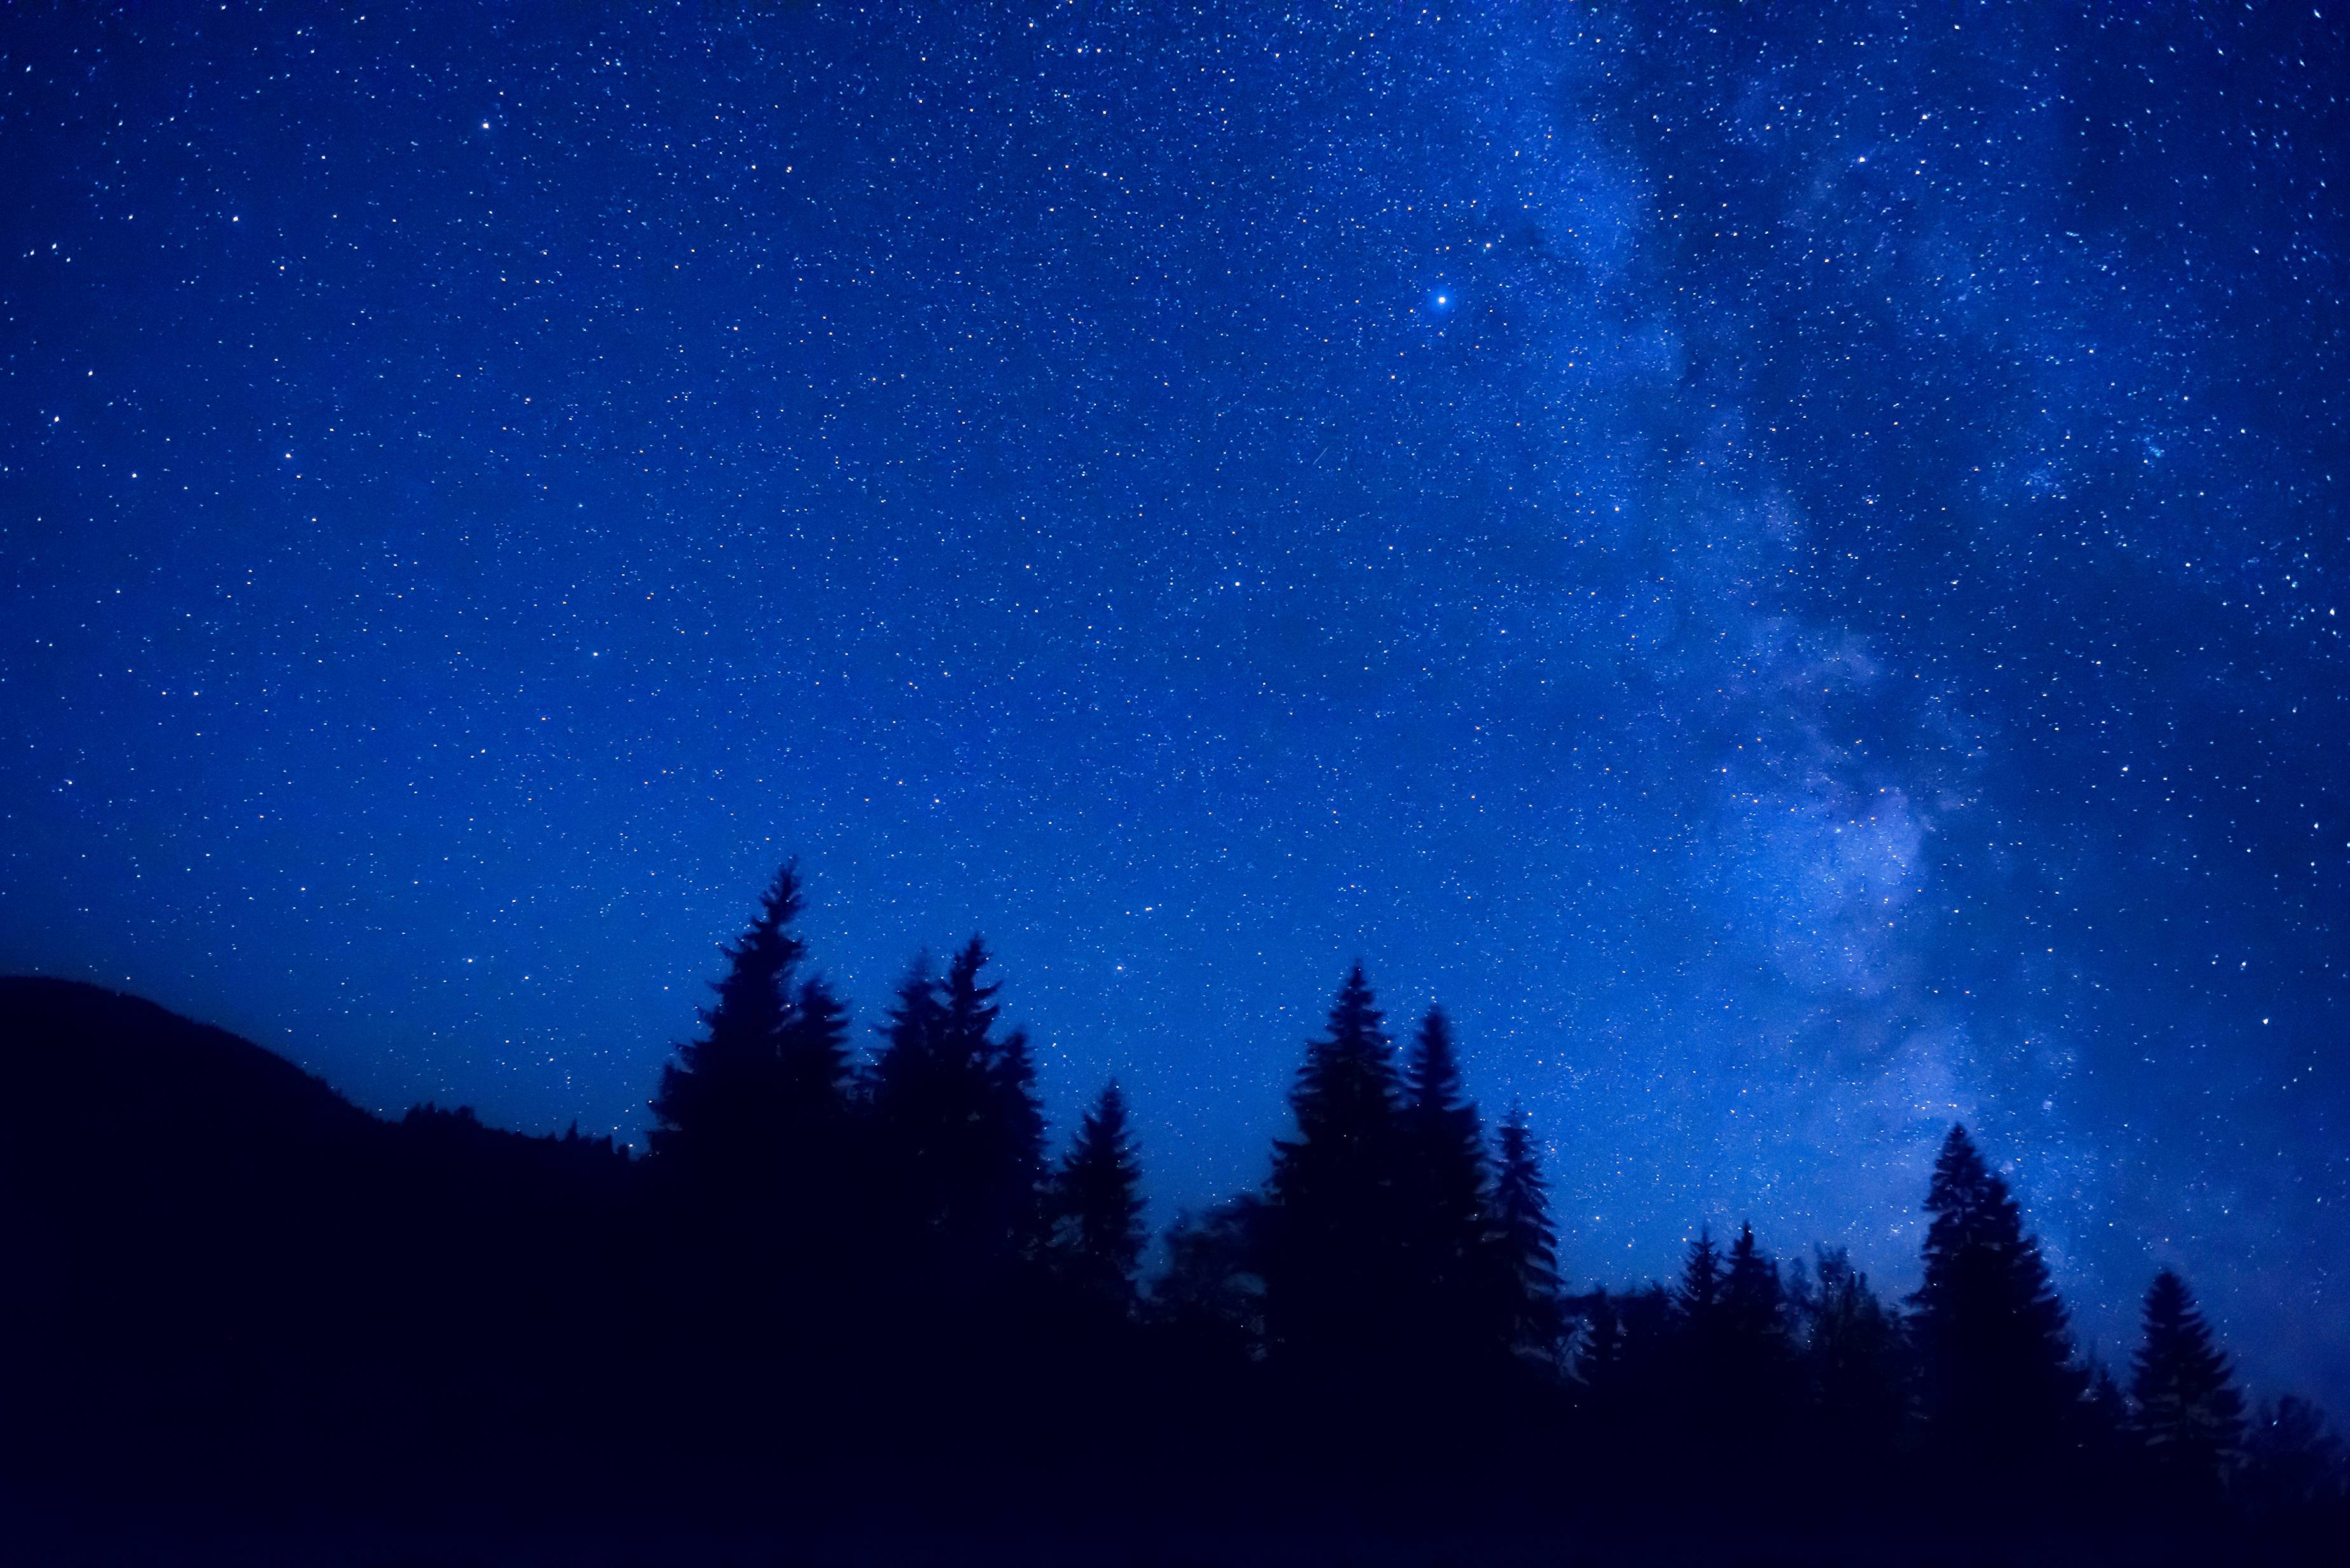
<point x="1851" y="1361"/>
<point x="1096" y="1206"/>
<point x="917" y="1109"/>
<point x="1444" y="1173"/>
<point x="1753" y="1300"/>
<point x="813" y="1055"/>
<point x="1335" y="1267"/>
<point x="1700" y="1297"/>
<point x="961" y="1132"/>
<point x="2187" y="1410"/>
<point x="1696" y="1383"/>
<point x="820" y="1167"/>
<point x="1601" y="1348"/>
<point x="1525" y="1247"/>
<point x="1999" y="1379"/>
<point x="717" y="1114"/>
<point x="1010" y="1151"/>
<point x="1757" y="1362"/>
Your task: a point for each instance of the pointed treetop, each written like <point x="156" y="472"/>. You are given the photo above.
<point x="2188" y="1410"/>
<point x="1097" y="1200"/>
<point x="1751" y="1290"/>
<point x="964" y="990"/>
<point x="1432" y="1071"/>
<point x="1349" y="1072"/>
<point x="730" y="1094"/>
<point x="1702" y="1276"/>
<point x="1356" y="1011"/>
<point x="1997" y="1348"/>
<point x="1526" y="1241"/>
<point x="752" y="997"/>
<point x="1448" y="1141"/>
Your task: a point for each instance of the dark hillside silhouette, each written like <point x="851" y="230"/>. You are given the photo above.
<point x="848" y="1309"/>
<point x="209" y="1239"/>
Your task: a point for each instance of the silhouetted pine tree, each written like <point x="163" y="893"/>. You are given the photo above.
<point x="1335" y="1260"/>
<point x="1851" y="1361"/>
<point x="1997" y="1376"/>
<point x="1525" y="1247"/>
<point x="1757" y="1359"/>
<point x="715" y="1113"/>
<point x="1013" y="1152"/>
<point x="2108" y="1448"/>
<point x="961" y="1134"/>
<point x="1695" y="1385"/>
<point x="819" y="1165"/>
<point x="2188" y="1412"/>
<point x="1443" y="1171"/>
<point x="1700" y="1297"/>
<point x="1096" y="1206"/>
<point x="1600" y="1349"/>
<point x="1754" y="1303"/>
<point x="815" y="1057"/>
<point x="920" y="1107"/>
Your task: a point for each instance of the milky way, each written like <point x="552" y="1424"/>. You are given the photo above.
<point x="1784" y="567"/>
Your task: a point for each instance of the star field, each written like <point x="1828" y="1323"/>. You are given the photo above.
<point x="1784" y="566"/>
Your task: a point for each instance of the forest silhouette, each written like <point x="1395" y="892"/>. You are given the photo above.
<point x="850" y="1307"/>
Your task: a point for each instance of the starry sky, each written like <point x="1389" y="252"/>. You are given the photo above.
<point x="1781" y="561"/>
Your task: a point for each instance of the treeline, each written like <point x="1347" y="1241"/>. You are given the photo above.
<point x="850" y="1297"/>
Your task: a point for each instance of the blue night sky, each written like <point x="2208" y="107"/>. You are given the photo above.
<point x="1782" y="562"/>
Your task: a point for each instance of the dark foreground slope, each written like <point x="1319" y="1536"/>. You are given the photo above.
<point x="244" y="1321"/>
<point x="224" y="1281"/>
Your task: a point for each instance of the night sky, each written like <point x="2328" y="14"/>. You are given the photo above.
<point x="1782" y="564"/>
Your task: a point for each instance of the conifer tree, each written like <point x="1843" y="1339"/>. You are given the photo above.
<point x="814" y="1055"/>
<point x="716" y="1110"/>
<point x="751" y="1142"/>
<point x="1754" y="1302"/>
<point x="2000" y="1383"/>
<point x="917" y="1110"/>
<point x="1334" y="1263"/>
<point x="1600" y="1350"/>
<point x="1851" y="1359"/>
<point x="819" y="1166"/>
<point x="2104" y="1440"/>
<point x="2188" y="1412"/>
<point x="1008" y="1178"/>
<point x="1700" y="1297"/>
<point x="1525" y="1245"/>
<point x="961" y="1133"/>
<point x="1444" y="1171"/>
<point x="1756" y="1360"/>
<point x="1097" y="1203"/>
<point x="1695" y="1387"/>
